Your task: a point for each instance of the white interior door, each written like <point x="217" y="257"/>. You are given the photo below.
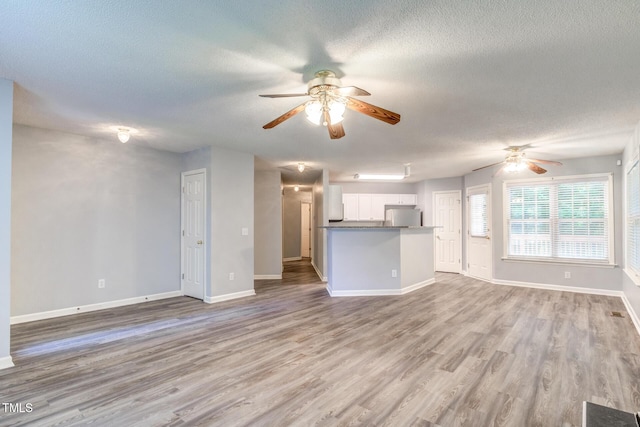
<point x="479" y="249"/>
<point x="447" y="215"/>
<point x="305" y="230"/>
<point x="193" y="233"/>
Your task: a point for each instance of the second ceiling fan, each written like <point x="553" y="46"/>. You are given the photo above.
<point x="515" y="161"/>
<point x="329" y="99"/>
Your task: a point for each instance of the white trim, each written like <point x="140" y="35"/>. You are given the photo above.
<point x="560" y="288"/>
<point x="267" y="276"/>
<point x="634" y="316"/>
<point x="91" y="307"/>
<point x="6" y="362"/>
<point x="294" y="258"/>
<point x="202" y="171"/>
<point x="459" y="224"/>
<point x="609" y="262"/>
<point x="379" y="292"/>
<point x="559" y="261"/>
<point x="323" y="278"/>
<point x="469" y="191"/>
<point x="227" y="297"/>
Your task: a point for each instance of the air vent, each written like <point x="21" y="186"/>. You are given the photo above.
<point x="616" y="314"/>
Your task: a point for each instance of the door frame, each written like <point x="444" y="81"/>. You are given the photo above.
<point x="459" y="195"/>
<point x="310" y="228"/>
<point x="183" y="175"/>
<point x="468" y="192"/>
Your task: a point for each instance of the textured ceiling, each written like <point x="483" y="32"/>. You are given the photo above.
<point x="468" y="78"/>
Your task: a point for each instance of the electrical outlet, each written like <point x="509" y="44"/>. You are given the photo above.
<point x="232" y="276"/>
<point x="394" y="273"/>
<point x="101" y="283"/>
<point x="567" y="275"/>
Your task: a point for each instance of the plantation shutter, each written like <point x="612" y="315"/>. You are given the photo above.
<point x="633" y="219"/>
<point x="559" y="219"/>
<point x="478" y="226"/>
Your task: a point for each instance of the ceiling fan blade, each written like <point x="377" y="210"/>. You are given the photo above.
<point x="336" y="131"/>
<point x="350" y="91"/>
<point x="547" y="162"/>
<point x="285" y="116"/>
<point x="488" y="166"/>
<point x="284" y="95"/>
<point x="537" y="169"/>
<point x="373" y="111"/>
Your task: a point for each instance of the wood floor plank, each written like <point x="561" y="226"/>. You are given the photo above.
<point x="458" y="352"/>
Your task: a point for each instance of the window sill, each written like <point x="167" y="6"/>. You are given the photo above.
<point x="560" y="262"/>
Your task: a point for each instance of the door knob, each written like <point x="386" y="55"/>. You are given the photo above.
<point x="199" y="242"/>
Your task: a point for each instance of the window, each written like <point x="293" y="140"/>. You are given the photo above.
<point x="633" y="219"/>
<point x="560" y="219"/>
<point x="478" y="211"/>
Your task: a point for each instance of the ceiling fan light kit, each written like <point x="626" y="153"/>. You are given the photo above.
<point x="329" y="102"/>
<point x="515" y="162"/>
<point x="124" y="135"/>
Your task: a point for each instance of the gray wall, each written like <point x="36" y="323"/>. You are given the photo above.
<point x="548" y="273"/>
<point x="320" y="218"/>
<point x="6" y="118"/>
<point x="630" y="289"/>
<point x="232" y="208"/>
<point x="425" y="190"/>
<point x="291" y="221"/>
<point x="87" y="209"/>
<point x="268" y="223"/>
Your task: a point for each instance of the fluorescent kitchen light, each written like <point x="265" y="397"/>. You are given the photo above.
<point x="378" y="177"/>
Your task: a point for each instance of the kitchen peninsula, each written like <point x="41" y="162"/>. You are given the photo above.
<point x="379" y="260"/>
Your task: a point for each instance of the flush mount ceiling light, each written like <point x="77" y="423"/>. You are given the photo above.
<point x="301" y="167"/>
<point x="328" y="104"/>
<point x="124" y="134"/>
<point x="378" y="177"/>
<point x="296" y="188"/>
<point x="385" y="177"/>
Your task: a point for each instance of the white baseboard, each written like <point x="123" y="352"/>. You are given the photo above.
<point x="6" y="362"/>
<point x="267" y="276"/>
<point x="315" y="267"/>
<point x="632" y="313"/>
<point x="561" y="288"/>
<point x="91" y="307"/>
<point x="295" y="258"/>
<point x="227" y="297"/>
<point x="379" y="292"/>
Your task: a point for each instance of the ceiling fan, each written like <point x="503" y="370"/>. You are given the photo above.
<point x="328" y="102"/>
<point x="515" y="161"/>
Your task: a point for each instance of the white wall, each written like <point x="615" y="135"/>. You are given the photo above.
<point x="425" y="190"/>
<point x="86" y="209"/>
<point x="6" y="118"/>
<point x="232" y="208"/>
<point x="268" y="224"/>
<point x="378" y="187"/>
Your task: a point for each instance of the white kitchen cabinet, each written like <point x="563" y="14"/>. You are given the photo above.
<point x="402" y="199"/>
<point x="350" y="202"/>
<point x="371" y="207"/>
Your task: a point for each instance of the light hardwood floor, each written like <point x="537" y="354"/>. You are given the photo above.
<point x="458" y="352"/>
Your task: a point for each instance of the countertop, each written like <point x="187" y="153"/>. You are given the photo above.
<point x="380" y="227"/>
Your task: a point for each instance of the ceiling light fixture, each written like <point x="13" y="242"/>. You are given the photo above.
<point x="301" y="167"/>
<point x="296" y="188"/>
<point x="123" y="135"/>
<point x="515" y="163"/>
<point x="334" y="106"/>
<point x="373" y="176"/>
